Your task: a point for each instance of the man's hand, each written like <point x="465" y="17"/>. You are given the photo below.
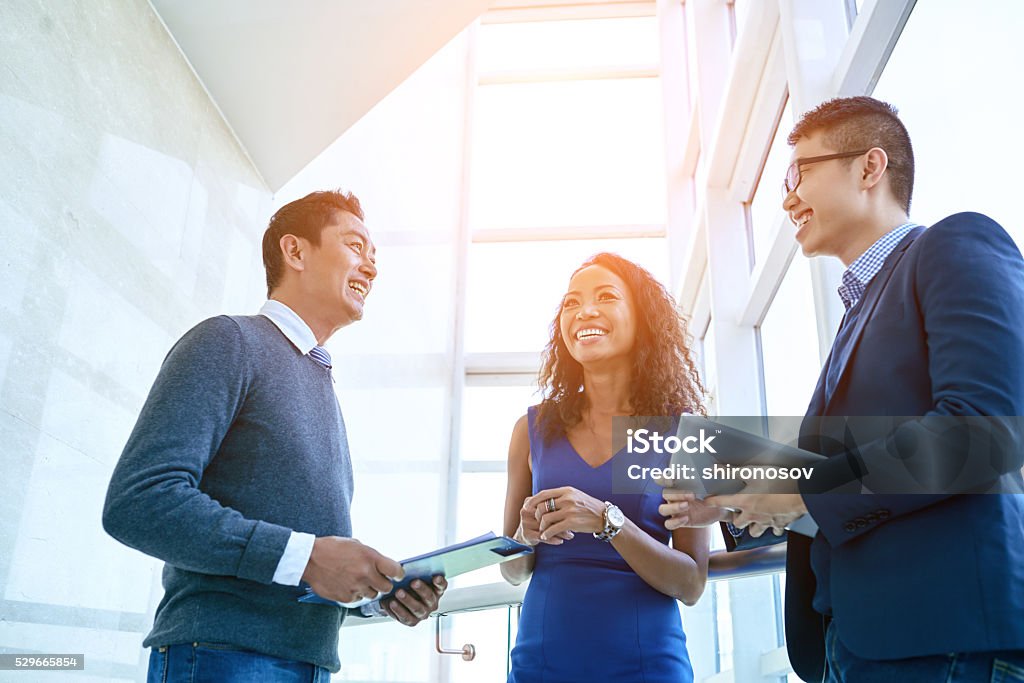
<point x="683" y="509"/>
<point x="757" y="530"/>
<point x="410" y="607"/>
<point x="762" y="511"/>
<point x="345" y="570"/>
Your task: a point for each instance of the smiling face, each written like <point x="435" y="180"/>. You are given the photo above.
<point x="597" y="321"/>
<point x="339" y="273"/>
<point x="828" y="205"/>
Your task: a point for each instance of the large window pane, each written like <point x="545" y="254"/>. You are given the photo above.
<point x="961" y="109"/>
<point x="766" y="204"/>
<point x="710" y="376"/>
<point x="374" y="410"/>
<point x="481" y="509"/>
<point x="514" y="290"/>
<point x="723" y="625"/>
<point x="789" y="343"/>
<point x="488" y="415"/>
<point x="488" y="631"/>
<point x="588" y="43"/>
<point x="569" y="153"/>
<point x="386" y="651"/>
<point x="396" y="512"/>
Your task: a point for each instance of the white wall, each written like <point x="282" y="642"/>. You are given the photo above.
<point x="127" y="214"/>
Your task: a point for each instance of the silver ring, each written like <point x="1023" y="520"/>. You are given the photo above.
<point x="550" y="505"/>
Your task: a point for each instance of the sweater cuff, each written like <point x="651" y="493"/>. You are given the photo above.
<point x="263" y="552"/>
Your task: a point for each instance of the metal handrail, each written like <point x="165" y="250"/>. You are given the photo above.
<point x="722" y="566"/>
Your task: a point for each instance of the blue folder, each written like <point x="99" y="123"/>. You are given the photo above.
<point x="461" y="558"/>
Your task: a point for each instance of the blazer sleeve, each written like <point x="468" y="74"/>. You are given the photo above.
<point x="969" y="281"/>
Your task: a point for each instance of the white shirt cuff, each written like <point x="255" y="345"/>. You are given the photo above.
<point x="804" y="525"/>
<point x="295" y="558"/>
<point x="373" y="609"/>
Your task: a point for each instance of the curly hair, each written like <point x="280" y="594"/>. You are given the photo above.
<point x="665" y="379"/>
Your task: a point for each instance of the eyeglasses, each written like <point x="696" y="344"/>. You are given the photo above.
<point x="793" y="175"/>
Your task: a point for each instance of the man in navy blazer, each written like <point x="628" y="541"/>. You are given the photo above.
<point x="897" y="587"/>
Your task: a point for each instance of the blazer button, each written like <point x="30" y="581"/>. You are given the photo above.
<point x="861" y="522"/>
<point x="884" y="514"/>
<point x="850" y="527"/>
<point x="871" y="517"/>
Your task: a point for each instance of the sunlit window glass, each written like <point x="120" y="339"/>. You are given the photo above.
<point x="575" y="44"/>
<point x="962" y="113"/>
<point x="515" y="289"/>
<point x="569" y="154"/>
<point x="789" y="343"/>
<point x="723" y="625"/>
<point x="710" y="372"/>
<point x="481" y="509"/>
<point x="488" y="415"/>
<point x="766" y="203"/>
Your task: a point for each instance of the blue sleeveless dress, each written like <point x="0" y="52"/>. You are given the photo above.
<point x="587" y="616"/>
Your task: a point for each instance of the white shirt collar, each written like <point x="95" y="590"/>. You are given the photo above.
<point x="291" y="325"/>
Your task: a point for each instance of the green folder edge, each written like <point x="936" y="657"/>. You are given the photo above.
<point x="451" y="561"/>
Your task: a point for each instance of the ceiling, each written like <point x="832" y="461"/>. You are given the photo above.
<point x="291" y="77"/>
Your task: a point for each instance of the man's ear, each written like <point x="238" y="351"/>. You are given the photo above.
<point x="293" y="249"/>
<point x="874" y="165"/>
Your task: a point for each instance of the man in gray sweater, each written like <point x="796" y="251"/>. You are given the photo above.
<point x="237" y="473"/>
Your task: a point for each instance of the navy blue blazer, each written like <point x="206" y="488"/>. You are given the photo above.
<point x="940" y="332"/>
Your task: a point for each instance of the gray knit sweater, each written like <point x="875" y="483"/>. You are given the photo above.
<point x="240" y="442"/>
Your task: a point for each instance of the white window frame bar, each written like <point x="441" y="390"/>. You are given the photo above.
<point x="601" y="73"/>
<point x="873" y="37"/>
<point x="566" y="233"/>
<point x="502" y="363"/>
<point x="451" y="485"/>
<point x="566" y="10"/>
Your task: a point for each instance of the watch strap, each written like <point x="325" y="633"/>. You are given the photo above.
<point x="609" y="531"/>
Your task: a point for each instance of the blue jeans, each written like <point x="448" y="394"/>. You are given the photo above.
<point x="215" y="663"/>
<point x="970" y="667"/>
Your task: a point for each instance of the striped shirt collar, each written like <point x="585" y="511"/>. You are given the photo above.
<point x="864" y="268"/>
<point x="291" y="325"/>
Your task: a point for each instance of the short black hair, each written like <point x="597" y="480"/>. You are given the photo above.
<point x="305" y="218"/>
<point x="852" y="123"/>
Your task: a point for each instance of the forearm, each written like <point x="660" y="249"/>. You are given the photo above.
<point x="520" y="569"/>
<point x="665" y="569"/>
<point x="172" y="520"/>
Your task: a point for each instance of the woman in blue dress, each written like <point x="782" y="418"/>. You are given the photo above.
<point x="604" y="577"/>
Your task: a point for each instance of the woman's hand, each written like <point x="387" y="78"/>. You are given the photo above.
<point x="565" y="510"/>
<point x="529" y="531"/>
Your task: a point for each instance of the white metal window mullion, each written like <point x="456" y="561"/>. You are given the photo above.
<point x="814" y="35"/>
<point x="726" y="92"/>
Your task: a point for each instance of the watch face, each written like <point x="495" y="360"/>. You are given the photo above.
<point x="615" y="517"/>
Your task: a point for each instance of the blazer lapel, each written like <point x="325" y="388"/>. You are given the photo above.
<point x="867" y="306"/>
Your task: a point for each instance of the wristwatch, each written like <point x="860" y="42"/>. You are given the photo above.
<point x="613" y="521"/>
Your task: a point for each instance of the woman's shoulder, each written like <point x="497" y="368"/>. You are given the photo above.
<point x="537" y="413"/>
